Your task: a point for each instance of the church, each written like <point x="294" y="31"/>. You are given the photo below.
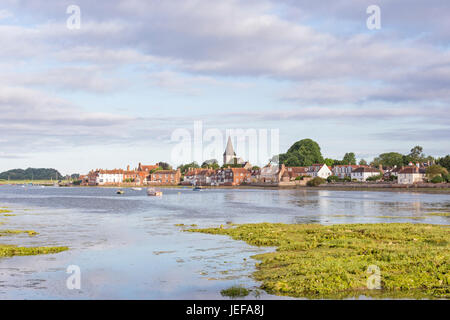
<point x="229" y="156"/>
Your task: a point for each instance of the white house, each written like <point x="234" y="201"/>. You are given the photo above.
<point x="411" y="175"/>
<point x="345" y="170"/>
<point x="320" y="170"/>
<point x="361" y="174"/>
<point x="109" y="177"/>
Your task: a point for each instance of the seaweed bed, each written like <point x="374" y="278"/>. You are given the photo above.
<point x="319" y="261"/>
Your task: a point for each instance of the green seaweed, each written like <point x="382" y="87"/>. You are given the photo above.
<point x="319" y="261"/>
<point x="439" y="214"/>
<point x="11" y="232"/>
<point x="235" y="292"/>
<point x="11" y="250"/>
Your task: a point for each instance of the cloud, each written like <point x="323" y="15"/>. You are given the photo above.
<point x="348" y="114"/>
<point x="5" y="14"/>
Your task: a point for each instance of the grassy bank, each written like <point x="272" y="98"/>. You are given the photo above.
<point x="332" y="261"/>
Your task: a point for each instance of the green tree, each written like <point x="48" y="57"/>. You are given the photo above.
<point x="349" y="158"/>
<point x="302" y="153"/>
<point x="184" y="167"/>
<point x="165" y="166"/>
<point x="362" y="162"/>
<point x="388" y="159"/>
<point x="329" y="162"/>
<point x="317" y="181"/>
<point x="212" y="164"/>
<point x="445" y="162"/>
<point x="435" y="170"/>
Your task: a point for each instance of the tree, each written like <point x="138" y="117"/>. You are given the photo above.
<point x="165" y="166"/>
<point x="213" y="164"/>
<point x="445" y="162"/>
<point x="255" y="168"/>
<point x="302" y="153"/>
<point x="435" y="170"/>
<point x="349" y="158"/>
<point x="329" y="162"/>
<point x="316" y="182"/>
<point x="184" y="167"/>
<point x="388" y="159"/>
<point x="31" y="174"/>
<point x="362" y="162"/>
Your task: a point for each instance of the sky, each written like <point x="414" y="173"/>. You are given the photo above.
<point x="113" y="92"/>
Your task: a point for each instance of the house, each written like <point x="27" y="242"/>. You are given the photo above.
<point x="411" y="175"/>
<point x="255" y="175"/>
<point x="235" y="176"/>
<point x="361" y="174"/>
<point x="109" y="177"/>
<point x="345" y="170"/>
<point x="320" y="170"/>
<point x="147" y="168"/>
<point x="198" y="176"/>
<point x="164" y="177"/>
<point x="294" y="172"/>
<point x="271" y="173"/>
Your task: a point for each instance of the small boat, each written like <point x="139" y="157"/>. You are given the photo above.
<point x="154" y="192"/>
<point x="196" y="188"/>
<point x="136" y="189"/>
<point x="120" y="192"/>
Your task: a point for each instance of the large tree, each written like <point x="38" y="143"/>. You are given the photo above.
<point x="349" y="158"/>
<point x="445" y="162"/>
<point x="389" y="159"/>
<point x="302" y="153"/>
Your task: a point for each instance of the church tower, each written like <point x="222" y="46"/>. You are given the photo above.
<point x="229" y="155"/>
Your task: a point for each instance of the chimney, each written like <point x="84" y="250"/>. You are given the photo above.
<point x="128" y="168"/>
<point x="380" y="167"/>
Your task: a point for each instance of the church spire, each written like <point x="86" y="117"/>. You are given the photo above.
<point x="229" y="151"/>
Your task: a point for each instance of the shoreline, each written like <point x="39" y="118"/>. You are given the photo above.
<point x="422" y="188"/>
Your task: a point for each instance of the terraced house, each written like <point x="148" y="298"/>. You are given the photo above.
<point x="164" y="177"/>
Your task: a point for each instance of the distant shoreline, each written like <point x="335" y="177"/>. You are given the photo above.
<point x="423" y="188"/>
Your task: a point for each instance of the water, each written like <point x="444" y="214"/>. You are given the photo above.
<point x="128" y="247"/>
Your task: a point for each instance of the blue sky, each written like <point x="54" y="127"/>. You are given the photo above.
<point x="112" y="92"/>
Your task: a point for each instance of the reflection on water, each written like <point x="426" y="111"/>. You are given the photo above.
<point x="128" y="246"/>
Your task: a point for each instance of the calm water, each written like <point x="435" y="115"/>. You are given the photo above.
<point x="128" y="247"/>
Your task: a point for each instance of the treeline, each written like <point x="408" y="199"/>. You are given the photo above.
<point x="31" y="174"/>
<point x="307" y="152"/>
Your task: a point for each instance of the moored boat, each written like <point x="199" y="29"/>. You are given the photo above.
<point x="120" y="192"/>
<point x="154" y="192"/>
<point x="136" y="189"/>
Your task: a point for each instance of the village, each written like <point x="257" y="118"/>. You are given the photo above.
<point x="237" y="172"/>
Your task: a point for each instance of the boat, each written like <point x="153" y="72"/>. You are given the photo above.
<point x="154" y="192"/>
<point x="196" y="188"/>
<point x="120" y="192"/>
<point x="136" y="189"/>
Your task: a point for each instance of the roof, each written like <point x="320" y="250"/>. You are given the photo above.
<point x="165" y="172"/>
<point x="366" y="169"/>
<point x="411" y="170"/>
<point x="229" y="149"/>
<point x="148" y="168"/>
<point x="297" y="169"/>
